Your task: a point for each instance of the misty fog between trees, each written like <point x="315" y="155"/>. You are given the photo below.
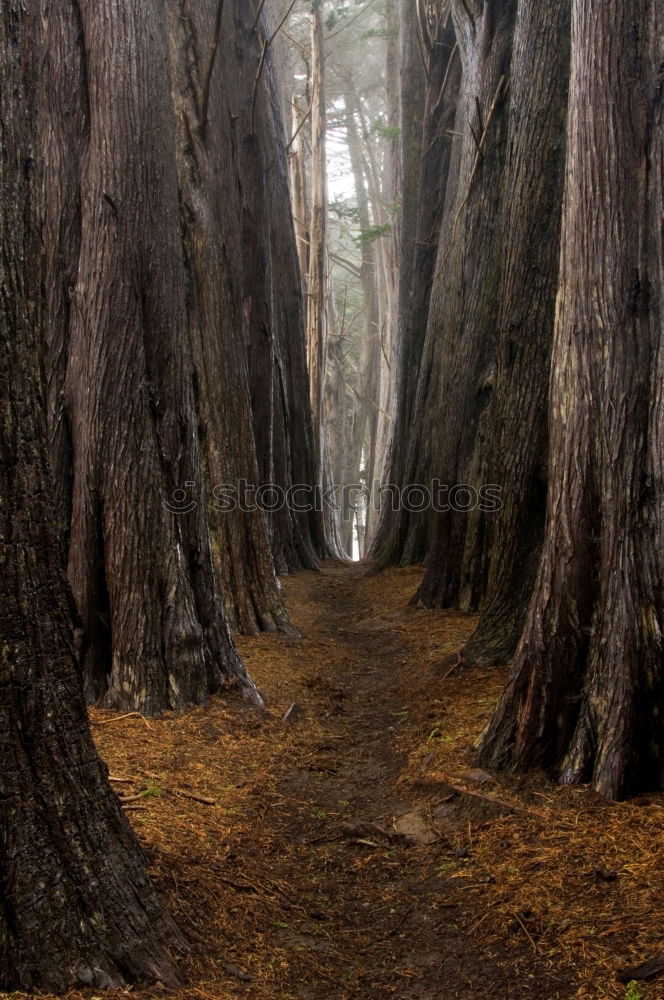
<point x="290" y="282"/>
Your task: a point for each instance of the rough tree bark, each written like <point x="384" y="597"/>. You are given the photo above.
<point x="153" y="633"/>
<point x="516" y="452"/>
<point x="458" y="366"/>
<point x="76" y="905"/>
<point x="428" y="105"/>
<point x="587" y="688"/>
<point x="210" y="95"/>
<point x="273" y="297"/>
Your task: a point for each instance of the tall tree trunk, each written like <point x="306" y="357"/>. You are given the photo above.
<point x="516" y="452"/>
<point x="363" y="432"/>
<point x="587" y="688"/>
<point x="274" y="304"/>
<point x="340" y="417"/>
<point x="317" y="284"/>
<point x="153" y="632"/>
<point x="208" y="46"/>
<point x="428" y="106"/>
<point x="299" y="188"/>
<point x="458" y="368"/>
<point x="385" y="345"/>
<point x="76" y="905"/>
<point x="318" y="275"/>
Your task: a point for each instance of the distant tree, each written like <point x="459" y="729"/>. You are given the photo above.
<point x="273" y="295"/>
<point x="317" y="277"/>
<point x="586" y="692"/>
<point x="76" y="905"/>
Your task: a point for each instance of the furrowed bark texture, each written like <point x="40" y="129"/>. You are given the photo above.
<point x="209" y="96"/>
<point x="153" y="633"/>
<point x="516" y="453"/>
<point x="458" y="367"/>
<point x="586" y="691"/>
<point x="274" y="302"/>
<point x="76" y="904"/>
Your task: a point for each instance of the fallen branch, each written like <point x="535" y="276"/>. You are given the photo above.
<point x="525" y="931"/>
<point x="180" y="793"/>
<point x="647" y="970"/>
<point x="119" y="718"/>
<point x="497" y="802"/>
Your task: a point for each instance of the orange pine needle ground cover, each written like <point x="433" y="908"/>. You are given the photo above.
<point x="274" y="842"/>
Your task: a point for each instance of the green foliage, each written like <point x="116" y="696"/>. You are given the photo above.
<point x="386" y="131"/>
<point x="386" y="33"/>
<point x="152" y="790"/>
<point x="341" y="12"/>
<point x="368" y="236"/>
<point x="633" y="991"/>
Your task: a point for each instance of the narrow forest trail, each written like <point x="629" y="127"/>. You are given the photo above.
<point x="275" y="846"/>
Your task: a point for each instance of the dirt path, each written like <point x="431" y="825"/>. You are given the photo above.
<point x="274" y="841"/>
<point x="375" y="917"/>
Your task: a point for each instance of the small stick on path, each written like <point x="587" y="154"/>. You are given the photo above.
<point x="498" y="802"/>
<point x="119" y="718"/>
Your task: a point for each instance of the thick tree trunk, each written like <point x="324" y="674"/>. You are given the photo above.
<point x="458" y="367"/>
<point x="428" y="106"/>
<point x="517" y="445"/>
<point x="587" y="688"/>
<point x="208" y="44"/>
<point x="76" y="905"/>
<point x="153" y="632"/>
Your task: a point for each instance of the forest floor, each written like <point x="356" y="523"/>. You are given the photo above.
<point x="354" y="852"/>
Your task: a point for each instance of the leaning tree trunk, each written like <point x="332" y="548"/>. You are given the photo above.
<point x="458" y="366"/>
<point x="517" y="433"/>
<point x="76" y="905"/>
<point x="587" y="689"/>
<point x="153" y="634"/>
<point x="210" y="94"/>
